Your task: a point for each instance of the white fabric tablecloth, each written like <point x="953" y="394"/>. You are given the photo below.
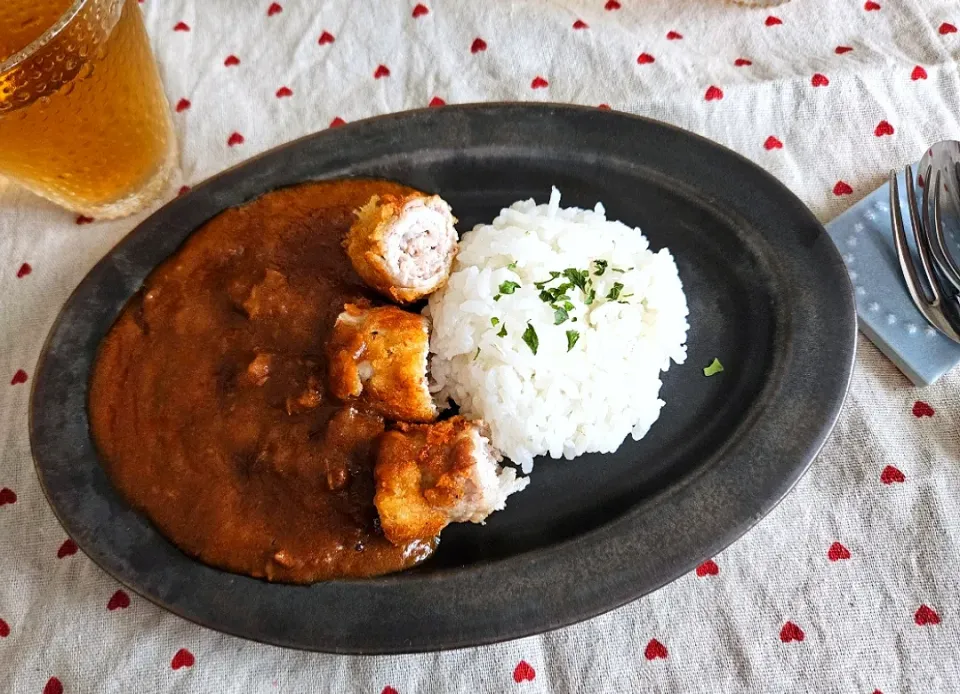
<point x="850" y="585"/>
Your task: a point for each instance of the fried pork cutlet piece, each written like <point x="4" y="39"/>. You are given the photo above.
<point x="378" y="357"/>
<point x="403" y="246"/>
<point x="431" y="475"/>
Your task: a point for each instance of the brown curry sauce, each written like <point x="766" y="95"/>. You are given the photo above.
<point x="209" y="400"/>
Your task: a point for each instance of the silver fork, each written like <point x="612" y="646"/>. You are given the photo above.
<point x="938" y="304"/>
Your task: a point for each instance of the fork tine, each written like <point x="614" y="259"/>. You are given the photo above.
<point x="925" y="204"/>
<point x="900" y="243"/>
<point x="919" y="236"/>
<point x="938" y="244"/>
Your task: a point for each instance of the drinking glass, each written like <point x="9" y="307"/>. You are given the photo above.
<point x="84" y="121"/>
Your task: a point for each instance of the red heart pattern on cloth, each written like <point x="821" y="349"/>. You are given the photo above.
<point x="791" y="632"/>
<point x="890" y="474"/>
<point x="708" y="568"/>
<point x="183" y="190"/>
<point x="118" y="601"/>
<point x="68" y="548"/>
<point x="819" y="80"/>
<point x="674" y="36"/>
<point x="337" y="122"/>
<point x="603" y="107"/>
<point x="842" y="188"/>
<point x="837" y="552"/>
<point x="182" y="658"/>
<point x="234" y="139"/>
<point x="539" y="83"/>
<point x="611" y="5"/>
<point x="714" y="93"/>
<point x="883" y="128"/>
<point x="381" y="71"/>
<point x="231" y="60"/>
<point x="53" y="686"/>
<point x="20" y="376"/>
<point x="524" y="672"/>
<point x="655" y="650"/>
<point x="925" y="615"/>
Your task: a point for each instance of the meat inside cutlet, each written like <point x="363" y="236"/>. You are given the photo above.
<point x="403" y="246"/>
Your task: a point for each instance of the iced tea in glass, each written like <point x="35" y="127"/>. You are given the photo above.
<point x="84" y="121"/>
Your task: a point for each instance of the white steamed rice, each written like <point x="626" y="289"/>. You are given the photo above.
<point x="557" y="402"/>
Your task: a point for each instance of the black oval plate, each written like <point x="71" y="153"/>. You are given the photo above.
<point x="768" y="295"/>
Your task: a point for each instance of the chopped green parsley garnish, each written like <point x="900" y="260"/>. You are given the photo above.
<point x="477" y="354"/>
<point x="508" y="287"/>
<point x="494" y="321"/>
<point x="530" y="337"/>
<point x="715" y="367"/>
<point x="556" y="294"/>
<point x="512" y="266"/>
<point x="572" y="337"/>
<point x="614" y="292"/>
<point x="578" y="278"/>
<point x="553" y="275"/>
<point x="591" y="295"/>
<point x="601" y="267"/>
<point x="616" y="269"/>
<point x="503" y="331"/>
<point x="560" y="315"/>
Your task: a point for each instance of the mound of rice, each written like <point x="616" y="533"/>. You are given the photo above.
<point x="548" y="383"/>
